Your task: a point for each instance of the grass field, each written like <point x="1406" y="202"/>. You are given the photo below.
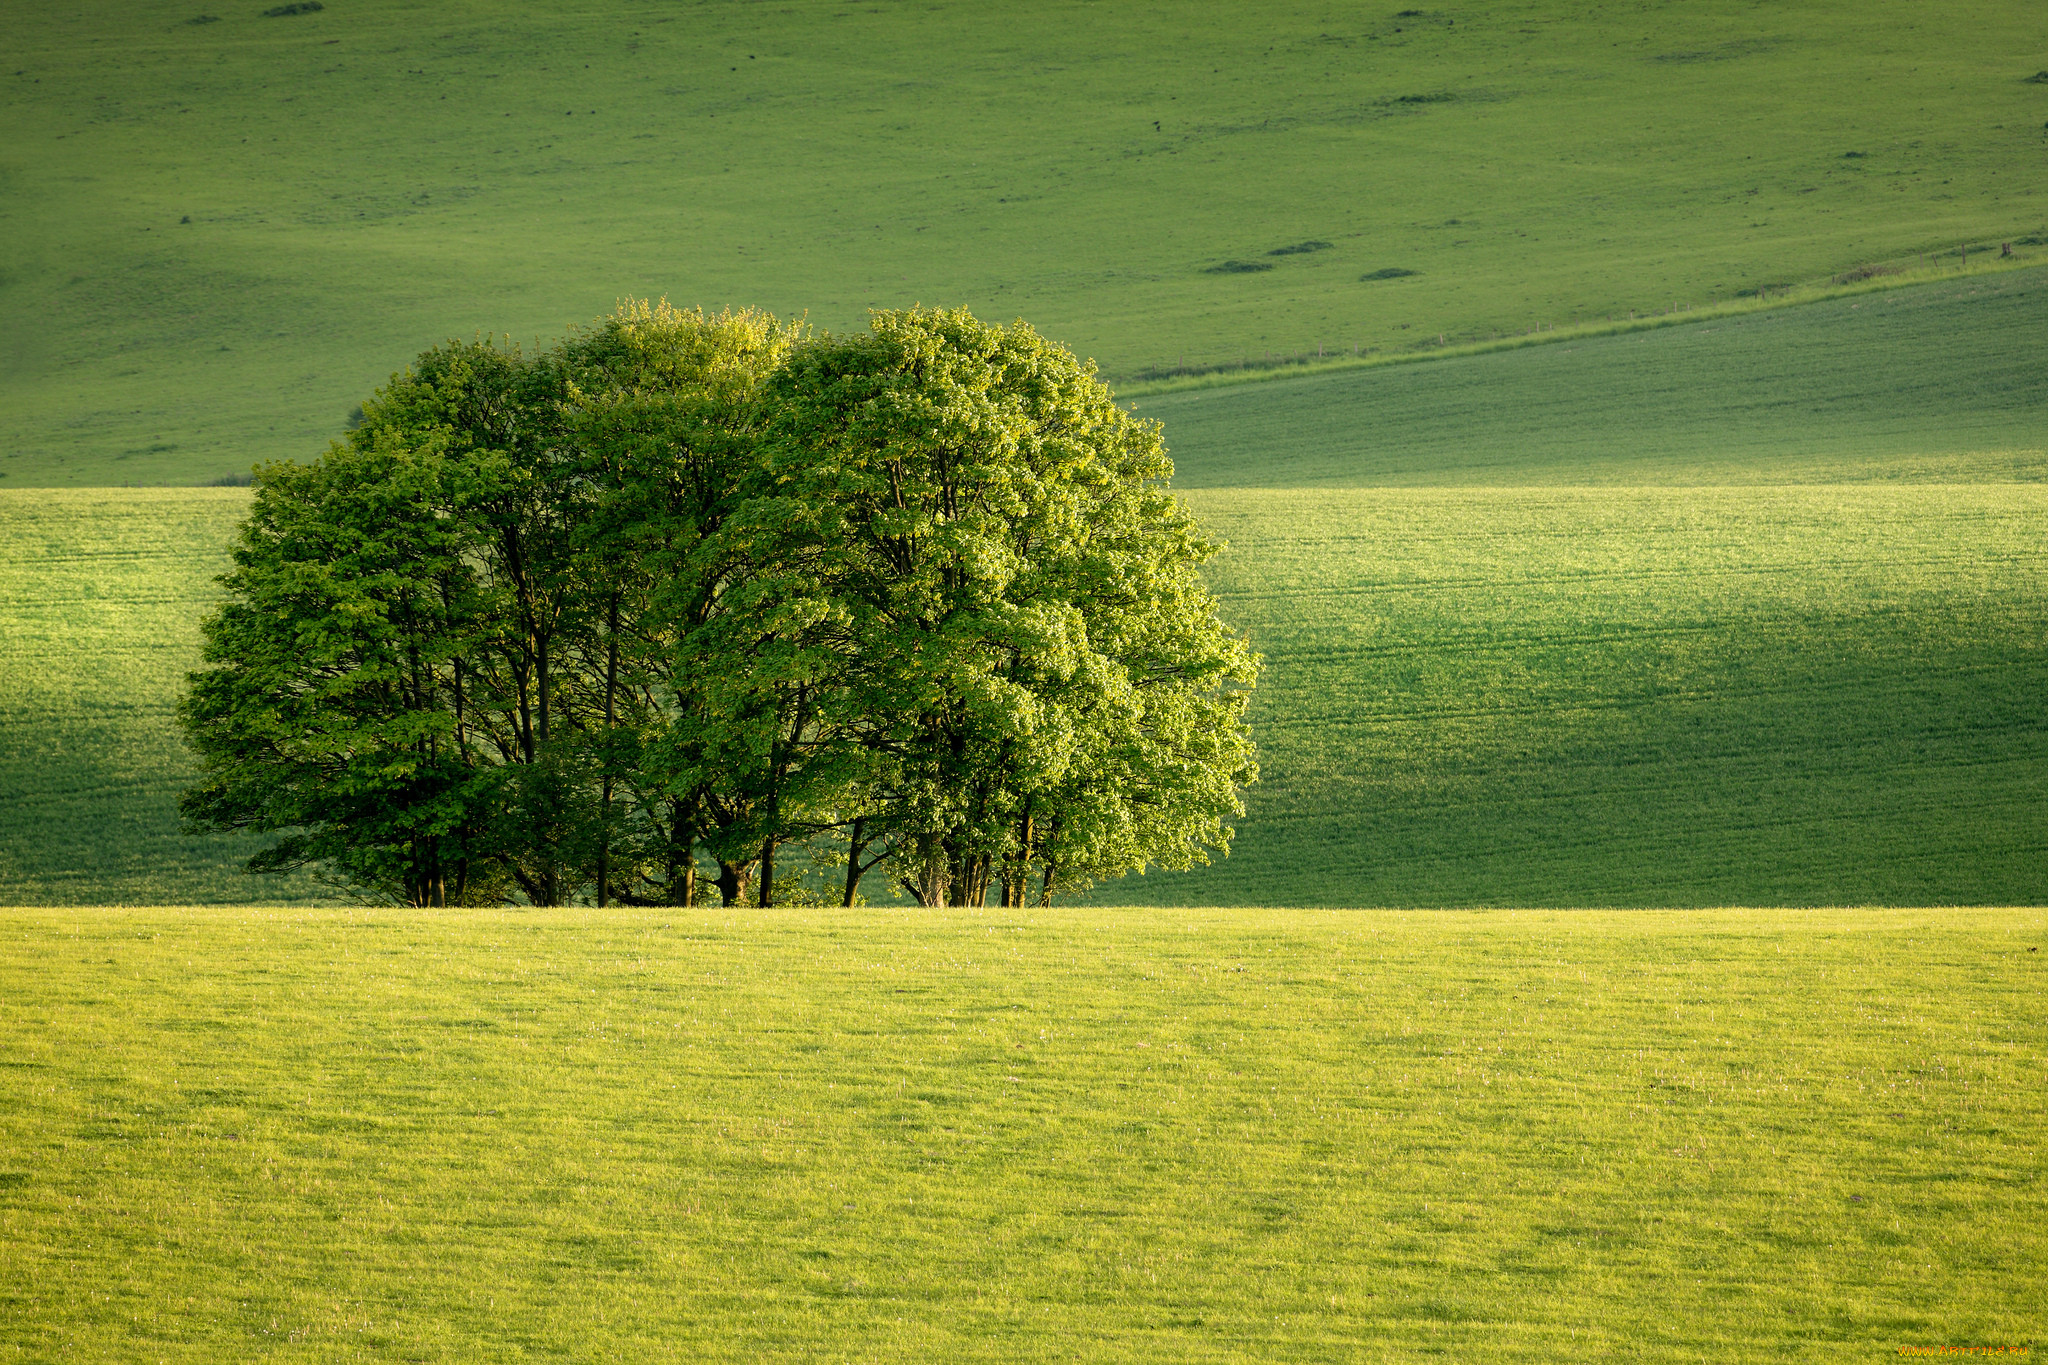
<point x="1936" y="383"/>
<point x="1566" y="656"/>
<point x="100" y="597"/>
<point x="273" y="1135"/>
<point x="216" y="236"/>
<point x="1638" y="696"/>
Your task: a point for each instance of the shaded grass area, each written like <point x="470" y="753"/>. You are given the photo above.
<point x="1563" y="696"/>
<point x="1129" y="1135"/>
<point x="1616" y="696"/>
<point x="218" y="236"/>
<point x="101" y="592"/>
<point x="1933" y="382"/>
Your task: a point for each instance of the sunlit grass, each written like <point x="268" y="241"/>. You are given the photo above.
<point x="1119" y="1135"/>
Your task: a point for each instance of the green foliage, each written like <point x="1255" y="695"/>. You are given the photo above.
<point x="381" y="686"/>
<point x="416" y="675"/>
<point x="1019" y="1135"/>
<point x="547" y="624"/>
<point x="950" y="152"/>
<point x="664" y="407"/>
<point x="960" y="522"/>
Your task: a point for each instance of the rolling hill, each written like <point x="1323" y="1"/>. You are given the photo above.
<point x="218" y="230"/>
<point x="1531" y="640"/>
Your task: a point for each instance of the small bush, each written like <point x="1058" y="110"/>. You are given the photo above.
<point x="1299" y="248"/>
<point x="355" y="417"/>
<point x="204" y="19"/>
<point x="1852" y="156"/>
<point x="1237" y="267"/>
<point x="297" y="7"/>
<point x="1440" y="97"/>
<point x="1392" y="272"/>
<point x="230" y="481"/>
<point x="1866" y="272"/>
<point x="2038" y="78"/>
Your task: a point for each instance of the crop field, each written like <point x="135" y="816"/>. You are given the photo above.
<point x="277" y="1135"/>
<point x="217" y="230"/>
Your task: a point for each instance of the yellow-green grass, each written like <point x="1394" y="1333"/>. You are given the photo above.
<point x="1943" y="382"/>
<point x="365" y="180"/>
<point x="1638" y="695"/>
<point x="1134" y="1135"/>
<point x="101" y="592"/>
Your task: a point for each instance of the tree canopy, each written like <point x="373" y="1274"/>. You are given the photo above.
<point x="690" y="589"/>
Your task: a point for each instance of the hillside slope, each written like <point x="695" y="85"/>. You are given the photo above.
<point x="101" y="592"/>
<point x="217" y="232"/>
<point x="1941" y="382"/>
<point x="1638" y="696"/>
<point x="1575" y="661"/>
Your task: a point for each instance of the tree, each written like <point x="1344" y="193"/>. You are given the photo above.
<point x="1010" y="655"/>
<point x="334" y="707"/>
<point x="663" y="410"/>
<point x="555" y="625"/>
<point x="452" y="626"/>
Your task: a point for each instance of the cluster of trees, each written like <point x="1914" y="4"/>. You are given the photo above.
<point x="685" y="592"/>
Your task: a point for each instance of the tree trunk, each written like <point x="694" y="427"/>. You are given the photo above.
<point x="682" y="852"/>
<point x="1019" y="870"/>
<point x="732" y="881"/>
<point x="767" y="873"/>
<point x="854" y="848"/>
<point x="611" y="693"/>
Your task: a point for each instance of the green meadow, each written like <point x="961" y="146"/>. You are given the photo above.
<point x="1936" y="383"/>
<point x="219" y="229"/>
<point x="1816" y="695"/>
<point x="1589" y="575"/>
<point x="1142" y="1135"/>
<point x="1743" y="611"/>
<point x="101" y="592"/>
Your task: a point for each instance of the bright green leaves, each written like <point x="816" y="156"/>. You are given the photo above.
<point x="1032" y="665"/>
<point x="552" y="625"/>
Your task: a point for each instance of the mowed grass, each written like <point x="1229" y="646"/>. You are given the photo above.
<point x="216" y="236"/>
<point x="1109" y="1135"/>
<point x="101" y="592"/>
<point x="1638" y="696"/>
<point x="1932" y="383"/>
